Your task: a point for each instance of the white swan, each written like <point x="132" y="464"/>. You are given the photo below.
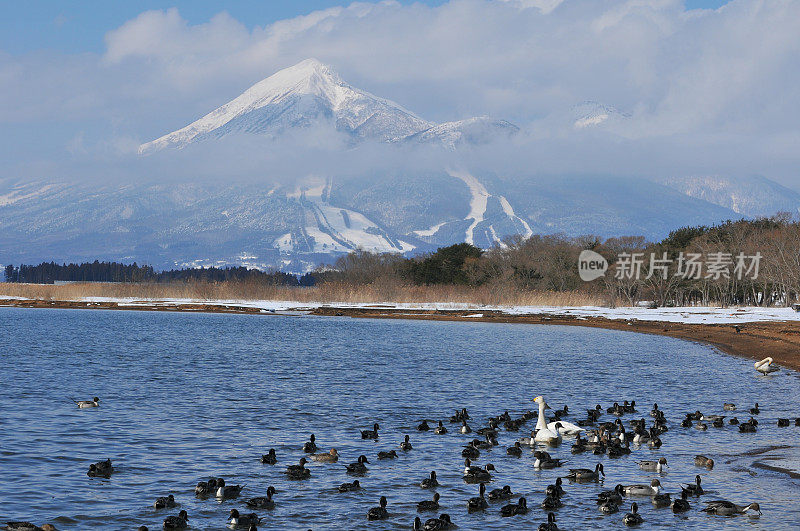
<point x="564" y="428"/>
<point x="543" y="433"/>
<point x="764" y="366"/>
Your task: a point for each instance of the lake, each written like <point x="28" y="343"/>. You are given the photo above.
<point x="187" y="396"/>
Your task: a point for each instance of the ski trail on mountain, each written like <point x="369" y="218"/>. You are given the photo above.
<point x="477" y="204"/>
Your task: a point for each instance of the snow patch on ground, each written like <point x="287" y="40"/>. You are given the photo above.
<point x="686" y="315"/>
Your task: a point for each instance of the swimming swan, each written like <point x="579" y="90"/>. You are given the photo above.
<point x="543" y="433"/>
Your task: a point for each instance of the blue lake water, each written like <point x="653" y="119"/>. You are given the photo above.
<point x="188" y="396"/>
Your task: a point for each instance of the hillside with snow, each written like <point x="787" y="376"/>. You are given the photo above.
<point x="299" y="223"/>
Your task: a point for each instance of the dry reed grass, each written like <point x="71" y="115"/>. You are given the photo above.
<point x="325" y="293"/>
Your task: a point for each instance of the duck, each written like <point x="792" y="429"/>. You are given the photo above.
<point x="614" y="496"/>
<point x="551" y="501"/>
<point x="470" y="452"/>
<point x="478" y="503"/>
<point x="370" y="434"/>
<point x="262" y="502"/>
<point x="783" y="422"/>
<point x="608" y="507"/>
<point x="380" y="512"/>
<point x="329" y="457"/>
<point x="475" y="474"/>
<point x="513" y="509"/>
<point x="429" y="482"/>
<point x="310" y="446"/>
<point x="765" y="366"/>
<point x="465" y="427"/>
<point x="227" y="491"/>
<point x="501" y="494"/>
<point x="423" y="426"/>
<point x="542" y="433"/>
<point x="298" y="471"/>
<point x="102" y="469"/>
<point x="579" y="445"/>
<point x="633" y="517"/>
<point x="694" y="489"/>
<point x="681" y="505"/>
<point x="242" y="520"/>
<point x="84" y="404"/>
<point x="727" y="406"/>
<point x="755" y="410"/>
<point x="177" y="522"/>
<point x="515" y="451"/>
<point x="429" y="505"/>
<point x="654" y="466"/>
<point x="733" y="421"/>
<point x="406" y="444"/>
<point x="440" y="429"/>
<point x="269" y="458"/>
<point x="350" y="487"/>
<point x="703" y="461"/>
<point x="206" y="488"/>
<point x="726" y="508"/>
<point x="460" y="416"/>
<point x="557" y="488"/>
<point x="164" y="502"/>
<point x="391" y="454"/>
<point x="747" y="427"/>
<point x="661" y="500"/>
<point x="543" y="460"/>
<point x="643" y="490"/>
<point x="586" y="474"/>
<point x="437" y="524"/>
<point x="550" y="525"/>
<point x="358" y="467"/>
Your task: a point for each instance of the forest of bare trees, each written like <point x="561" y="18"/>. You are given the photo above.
<point x="747" y="262"/>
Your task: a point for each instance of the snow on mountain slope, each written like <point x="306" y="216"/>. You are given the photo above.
<point x="491" y="216"/>
<point x="591" y="113"/>
<point x="331" y="229"/>
<point x="753" y="196"/>
<point x="311" y="93"/>
<point x="299" y="96"/>
<point x="473" y="131"/>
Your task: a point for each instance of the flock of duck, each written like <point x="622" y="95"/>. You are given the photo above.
<point x="590" y="435"/>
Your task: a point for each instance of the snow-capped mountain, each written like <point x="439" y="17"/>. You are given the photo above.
<point x="592" y="114"/>
<point x="305" y="94"/>
<point x="271" y="224"/>
<point x="753" y="196"/>
<point x="310" y="94"/>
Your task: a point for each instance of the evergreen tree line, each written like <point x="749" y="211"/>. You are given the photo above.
<point x="47" y="273"/>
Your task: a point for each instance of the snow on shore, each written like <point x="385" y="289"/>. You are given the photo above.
<point x="688" y="315"/>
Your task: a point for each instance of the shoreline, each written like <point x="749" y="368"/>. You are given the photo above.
<point x="754" y="340"/>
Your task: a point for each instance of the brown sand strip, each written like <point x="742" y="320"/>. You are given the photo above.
<point x="781" y="340"/>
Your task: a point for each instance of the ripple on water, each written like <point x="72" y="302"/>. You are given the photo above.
<point x="188" y="396"/>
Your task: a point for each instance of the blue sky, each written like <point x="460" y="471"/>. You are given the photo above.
<point x="80" y="26"/>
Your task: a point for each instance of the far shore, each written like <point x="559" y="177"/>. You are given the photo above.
<point x="755" y="339"/>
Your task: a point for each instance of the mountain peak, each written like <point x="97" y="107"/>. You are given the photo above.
<point x="307" y="93"/>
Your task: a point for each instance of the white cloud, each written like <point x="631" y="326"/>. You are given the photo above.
<point x="712" y="86"/>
